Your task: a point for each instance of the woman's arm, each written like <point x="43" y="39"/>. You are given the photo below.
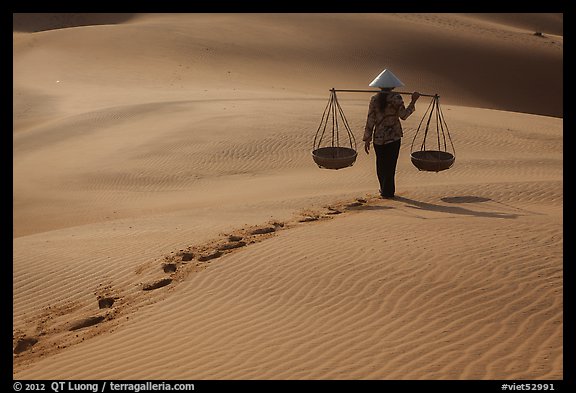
<point x="403" y="111"/>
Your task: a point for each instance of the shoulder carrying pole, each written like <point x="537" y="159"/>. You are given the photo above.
<point x="378" y="91"/>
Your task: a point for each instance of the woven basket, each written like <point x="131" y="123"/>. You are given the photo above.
<point x="334" y="157"/>
<point x="432" y="160"/>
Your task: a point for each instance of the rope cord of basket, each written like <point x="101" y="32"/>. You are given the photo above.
<point x="441" y="127"/>
<point x="334" y="111"/>
<point x="443" y="121"/>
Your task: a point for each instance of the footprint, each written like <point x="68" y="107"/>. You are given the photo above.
<point x="262" y="231"/>
<point x="207" y="257"/>
<point x="169" y="267"/>
<point x="24" y="344"/>
<point x="234" y="238"/>
<point x="105" y="302"/>
<point x="156" y="284"/>
<point x="232" y="245"/>
<point x="308" y="219"/>
<point x="354" y="204"/>
<point x="90" y="321"/>
<point x="187" y="256"/>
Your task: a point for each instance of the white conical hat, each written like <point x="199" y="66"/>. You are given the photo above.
<point x="386" y="79"/>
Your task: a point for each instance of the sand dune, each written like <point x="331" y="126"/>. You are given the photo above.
<point x="142" y="143"/>
<point x="33" y="22"/>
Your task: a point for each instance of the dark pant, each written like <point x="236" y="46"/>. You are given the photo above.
<point x="386" y="159"/>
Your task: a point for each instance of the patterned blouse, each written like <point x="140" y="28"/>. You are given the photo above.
<point x="385" y="127"/>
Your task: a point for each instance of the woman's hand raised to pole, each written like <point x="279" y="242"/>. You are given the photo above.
<point x="415" y="96"/>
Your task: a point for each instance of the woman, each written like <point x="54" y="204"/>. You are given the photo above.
<point x="383" y="128"/>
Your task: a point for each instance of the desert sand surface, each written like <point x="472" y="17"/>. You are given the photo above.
<point x="169" y="221"/>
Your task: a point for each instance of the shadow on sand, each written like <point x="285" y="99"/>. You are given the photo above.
<point x="371" y="207"/>
<point x="465" y="199"/>
<point x="455" y="209"/>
